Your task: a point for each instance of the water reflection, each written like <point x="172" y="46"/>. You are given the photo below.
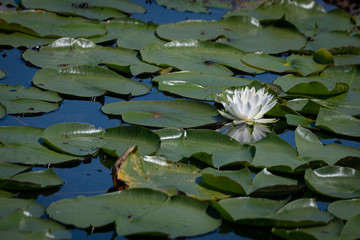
<point x="245" y="132"/>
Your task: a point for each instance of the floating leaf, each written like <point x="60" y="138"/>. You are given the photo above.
<point x="8" y="170"/>
<point x="83" y="139"/>
<point x="17" y="99"/>
<point x="171" y="113"/>
<point x="334" y="181"/>
<point x="2" y="73"/>
<point x="18" y="39"/>
<point x="5" y="194"/>
<point x="87" y="81"/>
<point x="8" y="2"/>
<point x="135" y="171"/>
<point x="69" y="52"/>
<point x="2" y="111"/>
<point x="301" y="65"/>
<point x="47" y="24"/>
<point x="194" y="5"/>
<point x="271" y="213"/>
<point x="338" y="122"/>
<point x="351" y="229"/>
<point x="240" y="182"/>
<point x="28" y="206"/>
<point x="345" y="209"/>
<point x="21" y="145"/>
<point x="197" y="56"/>
<point x="200" y="86"/>
<point x="147" y="211"/>
<point x="206" y="145"/>
<point x="295" y="120"/>
<point x="333" y="39"/>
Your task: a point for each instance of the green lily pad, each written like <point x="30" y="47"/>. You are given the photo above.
<point x="208" y="30"/>
<point x="351" y="229"/>
<point x="89" y="9"/>
<point x="333" y="39"/>
<point x="296" y="120"/>
<point x="334" y="181"/>
<point x="21" y="145"/>
<point x="2" y="73"/>
<point x="307" y="106"/>
<point x="30" y="181"/>
<point x="8" y="2"/>
<point x="206" y="145"/>
<point x="197" y="56"/>
<point x="240" y="182"/>
<point x="345" y="209"/>
<point x="17" y="99"/>
<point x="130" y="33"/>
<point x="47" y="24"/>
<point x="5" y="194"/>
<point x="2" y="111"/>
<point x="136" y="171"/>
<point x="197" y="6"/>
<point x="83" y="139"/>
<point x="70" y="52"/>
<point x="271" y="213"/>
<point x="19" y="225"/>
<point x="147" y="211"/>
<point x="9" y="205"/>
<point x="168" y="113"/>
<point x="331" y="231"/>
<point x="87" y="81"/>
<point x="338" y="122"/>
<point x="18" y="39"/>
<point x="200" y="86"/>
<point x="8" y="170"/>
<point x="280" y="36"/>
<point x="301" y="65"/>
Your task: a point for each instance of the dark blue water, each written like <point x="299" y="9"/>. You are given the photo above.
<point x="91" y="177"/>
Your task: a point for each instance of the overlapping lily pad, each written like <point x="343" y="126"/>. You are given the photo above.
<point x="87" y="81"/>
<point x="147" y="212"/>
<point x="200" y="86"/>
<point x="18" y="39"/>
<point x="271" y="213"/>
<point x="168" y="113"/>
<point x="206" y="145"/>
<point x="301" y="65"/>
<point x="333" y="39"/>
<point x="17" y="99"/>
<point x="240" y="182"/>
<point x="22" y="145"/>
<point x="197" y="56"/>
<point x="345" y="209"/>
<point x="83" y="139"/>
<point x="334" y="181"/>
<point x="90" y="9"/>
<point x="70" y="52"/>
<point x="9" y="205"/>
<point x="47" y="24"/>
<point x="136" y="171"/>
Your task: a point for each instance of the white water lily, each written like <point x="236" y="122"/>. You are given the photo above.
<point x="247" y="106"/>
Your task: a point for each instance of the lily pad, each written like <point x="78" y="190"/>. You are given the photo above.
<point x="21" y="145"/>
<point x="307" y="106"/>
<point x="70" y="52"/>
<point x="168" y="113"/>
<point x="9" y="205"/>
<point x="18" y="39"/>
<point x="17" y="99"/>
<point x="338" y="122"/>
<point x="147" y="211"/>
<point x="297" y="64"/>
<point x="351" y="229"/>
<point x="136" y="171"/>
<point x="8" y="170"/>
<point x="83" y="139"/>
<point x="2" y="111"/>
<point x="194" y="5"/>
<point x="197" y="56"/>
<point x="271" y="213"/>
<point x="87" y="81"/>
<point x="345" y="209"/>
<point x="240" y="182"/>
<point x="334" y="181"/>
<point x="89" y="9"/>
<point x="47" y="24"/>
<point x="2" y="73"/>
<point x="206" y="145"/>
<point x="333" y="39"/>
<point x="200" y="86"/>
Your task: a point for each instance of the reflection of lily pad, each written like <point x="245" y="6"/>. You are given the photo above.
<point x="69" y="52"/>
<point x="206" y="145"/>
<point x="334" y="181"/>
<point x="87" y="81"/>
<point x="136" y="171"/>
<point x="17" y="99"/>
<point x="83" y="139"/>
<point x="200" y="86"/>
<point x="265" y="212"/>
<point x="302" y="65"/>
<point x="172" y="113"/>
<point x="41" y="24"/>
<point x="197" y="56"/>
<point x="21" y="145"/>
<point x="146" y="211"/>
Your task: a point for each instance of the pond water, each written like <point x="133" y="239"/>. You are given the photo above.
<point x="92" y="177"/>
